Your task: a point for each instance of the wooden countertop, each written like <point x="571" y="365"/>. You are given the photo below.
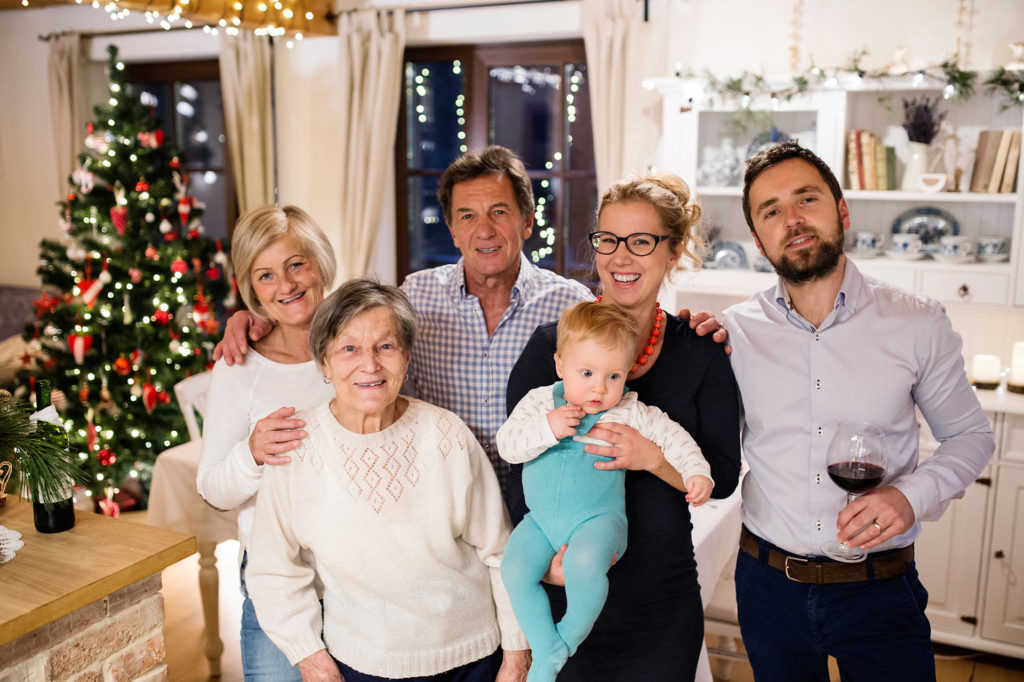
<point x="55" y="574"/>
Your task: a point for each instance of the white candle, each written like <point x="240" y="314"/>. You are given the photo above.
<point x="1017" y="367"/>
<point x="985" y="368"/>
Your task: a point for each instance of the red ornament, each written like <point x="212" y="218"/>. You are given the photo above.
<point x="122" y="366"/>
<point x="83" y="394"/>
<point x="107" y="457"/>
<point x="90" y="288"/>
<point x="179" y="266"/>
<point x="79" y="346"/>
<point x="193" y="234"/>
<point x="212" y="273"/>
<point x="135" y="274"/>
<point x="46" y="304"/>
<point x="149" y="397"/>
<point x="110" y="508"/>
<point x="161" y="317"/>
<point x="88" y="127"/>
<point x="184" y="209"/>
<point x="163" y="397"/>
<point x="137" y="358"/>
<point x="141" y="186"/>
<point x="71" y="196"/>
<point x="175" y="163"/>
<point x="171" y="237"/>
<point x="119" y="216"/>
<point x="151" y="253"/>
<point x="90" y="436"/>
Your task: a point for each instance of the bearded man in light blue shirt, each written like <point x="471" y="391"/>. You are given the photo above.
<point x="826" y="345"/>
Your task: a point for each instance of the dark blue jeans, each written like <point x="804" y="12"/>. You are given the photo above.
<point x="876" y="630"/>
<point x="483" y="670"/>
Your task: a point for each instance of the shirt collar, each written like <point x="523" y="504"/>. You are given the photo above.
<point x="456" y="282"/>
<point x="847" y="298"/>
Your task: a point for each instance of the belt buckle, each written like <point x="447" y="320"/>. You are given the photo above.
<point x="793" y="558"/>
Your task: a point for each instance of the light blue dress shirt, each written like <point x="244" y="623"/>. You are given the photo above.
<point x="880" y="352"/>
<point x="456" y="364"/>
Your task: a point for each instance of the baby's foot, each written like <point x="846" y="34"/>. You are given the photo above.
<point x="545" y="668"/>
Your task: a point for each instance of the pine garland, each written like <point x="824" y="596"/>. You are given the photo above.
<point x="1011" y="83"/>
<point x="44" y="468"/>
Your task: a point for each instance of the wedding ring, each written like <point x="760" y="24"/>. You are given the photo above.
<point x="875" y="524"/>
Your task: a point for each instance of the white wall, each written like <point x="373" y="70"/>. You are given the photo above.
<point x="726" y="36"/>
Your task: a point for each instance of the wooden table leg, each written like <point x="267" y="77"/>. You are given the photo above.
<point x="208" y="591"/>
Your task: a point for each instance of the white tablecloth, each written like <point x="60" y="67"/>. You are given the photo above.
<point x="175" y="504"/>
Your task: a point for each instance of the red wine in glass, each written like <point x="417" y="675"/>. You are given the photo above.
<point x="855" y="463"/>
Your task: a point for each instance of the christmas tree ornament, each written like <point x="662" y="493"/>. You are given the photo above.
<point x="179" y="266"/>
<point x="45" y="304"/>
<point x="64" y="224"/>
<point x="163" y="397"/>
<point x="161" y="317"/>
<point x="79" y="345"/>
<point x="75" y="252"/>
<point x="174" y="346"/>
<point x="127" y="317"/>
<point x="149" y="397"/>
<point x="135" y="275"/>
<point x="150" y="216"/>
<point x="119" y="217"/>
<point x="122" y="366"/>
<point x="137" y="359"/>
<point x="165" y="226"/>
<point x="83" y="178"/>
<point x="184" y="209"/>
<point x="151" y="139"/>
<point x="175" y="163"/>
<point x="213" y="273"/>
<point x="141" y="186"/>
<point x="90" y="435"/>
<point x="106" y="457"/>
<point x="91" y="288"/>
<point x="152" y="253"/>
<point x="136" y="389"/>
<point x="83" y="394"/>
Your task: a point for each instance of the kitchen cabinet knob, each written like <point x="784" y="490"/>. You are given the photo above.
<point x="1000" y="554"/>
<point x="963" y="291"/>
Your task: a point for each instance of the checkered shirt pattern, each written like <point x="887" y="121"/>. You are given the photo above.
<point x="454" y="363"/>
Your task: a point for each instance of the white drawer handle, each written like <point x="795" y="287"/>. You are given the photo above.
<point x="963" y="291"/>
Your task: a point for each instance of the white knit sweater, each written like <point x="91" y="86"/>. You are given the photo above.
<point x="407" y="527"/>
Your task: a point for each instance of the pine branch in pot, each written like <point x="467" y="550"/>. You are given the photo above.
<point x="46" y="470"/>
<point x="921" y="120"/>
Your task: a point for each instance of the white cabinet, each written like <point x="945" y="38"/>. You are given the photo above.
<point x="972" y="559"/>
<point x="694" y="131"/>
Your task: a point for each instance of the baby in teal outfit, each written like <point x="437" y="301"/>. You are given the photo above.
<point x="571" y="501"/>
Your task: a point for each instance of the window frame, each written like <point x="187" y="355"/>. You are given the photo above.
<point x="477" y="61"/>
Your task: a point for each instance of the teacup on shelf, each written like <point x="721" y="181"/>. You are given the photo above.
<point x="932" y="182"/>
<point x="992" y="248"/>
<point x="956" y="248"/>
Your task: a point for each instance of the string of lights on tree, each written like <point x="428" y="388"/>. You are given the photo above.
<point x="128" y="300"/>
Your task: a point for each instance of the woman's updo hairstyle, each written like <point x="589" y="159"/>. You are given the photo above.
<point x="670" y="196"/>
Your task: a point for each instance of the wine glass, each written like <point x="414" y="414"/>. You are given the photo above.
<point x="856" y="463"/>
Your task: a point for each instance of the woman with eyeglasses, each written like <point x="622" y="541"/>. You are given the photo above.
<point x="652" y="625"/>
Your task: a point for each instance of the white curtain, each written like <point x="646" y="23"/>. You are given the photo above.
<point x="370" y="83"/>
<point x="68" y="84"/>
<point x="621" y="52"/>
<point x="245" y="64"/>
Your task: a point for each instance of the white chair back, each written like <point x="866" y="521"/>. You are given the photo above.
<point x="191" y="395"/>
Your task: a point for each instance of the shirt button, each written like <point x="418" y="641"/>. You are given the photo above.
<point x="817" y="478"/>
<point x="817" y="336"/>
<point x="486" y="400"/>
<point x="818" y="524"/>
<point x="817" y="384"/>
<point x="819" y="432"/>
<point x="485" y="355"/>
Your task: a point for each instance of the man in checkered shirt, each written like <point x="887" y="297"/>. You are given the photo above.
<point x="476" y="316"/>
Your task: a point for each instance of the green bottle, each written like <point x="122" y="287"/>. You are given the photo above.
<point x="51" y="515"/>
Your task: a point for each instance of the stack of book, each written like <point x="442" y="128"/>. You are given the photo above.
<point x="869" y="163"/>
<point x="995" y="161"/>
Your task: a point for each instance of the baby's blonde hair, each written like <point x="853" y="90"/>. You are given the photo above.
<point x="606" y="323"/>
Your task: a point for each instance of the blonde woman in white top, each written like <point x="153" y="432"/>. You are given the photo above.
<point x="393" y="504"/>
<point x="283" y="263"/>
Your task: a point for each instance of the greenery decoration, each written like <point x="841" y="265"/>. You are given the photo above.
<point x="44" y="468"/>
<point x="921" y="118"/>
<point x="956" y="83"/>
<point x="1011" y="82"/>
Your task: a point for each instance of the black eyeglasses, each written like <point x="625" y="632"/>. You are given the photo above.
<point x="638" y="243"/>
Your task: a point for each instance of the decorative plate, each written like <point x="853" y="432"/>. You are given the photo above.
<point x="928" y="222"/>
<point x="728" y="256"/>
<point x="766" y="138"/>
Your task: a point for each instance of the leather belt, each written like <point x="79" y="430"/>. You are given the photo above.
<point x="822" y="571"/>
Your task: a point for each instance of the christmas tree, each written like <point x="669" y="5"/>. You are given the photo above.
<point x="128" y="299"/>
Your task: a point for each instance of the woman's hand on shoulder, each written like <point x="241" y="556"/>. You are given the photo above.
<point x="320" y="667"/>
<point x="514" y="666"/>
<point x="275" y="434"/>
<point x="240" y="327"/>
<point x="628" y="449"/>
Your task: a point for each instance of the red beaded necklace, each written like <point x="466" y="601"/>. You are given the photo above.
<point x="652" y="338"/>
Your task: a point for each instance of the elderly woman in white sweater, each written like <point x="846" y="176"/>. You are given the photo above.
<point x="393" y="504"/>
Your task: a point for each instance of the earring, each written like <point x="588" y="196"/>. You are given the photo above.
<point x="327" y="380"/>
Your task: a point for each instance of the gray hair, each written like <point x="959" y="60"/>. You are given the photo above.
<point x="261" y="227"/>
<point x="353" y="298"/>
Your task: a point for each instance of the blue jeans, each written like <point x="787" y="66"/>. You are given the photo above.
<point x="876" y="629"/>
<point x="483" y="670"/>
<point x="262" y="661"/>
